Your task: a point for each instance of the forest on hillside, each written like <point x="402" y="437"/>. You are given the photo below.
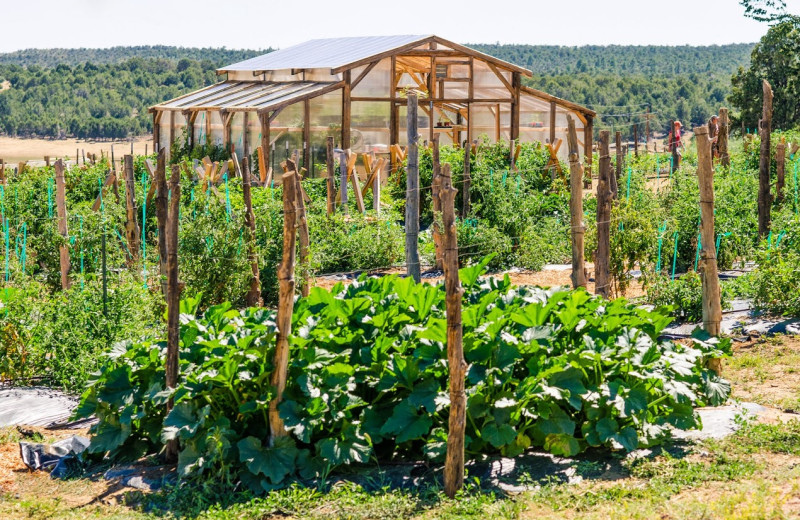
<point x="105" y="93"/>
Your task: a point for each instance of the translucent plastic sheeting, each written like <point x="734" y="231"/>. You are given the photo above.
<point x="370" y="126"/>
<point x="377" y="82"/>
<point x="286" y="132"/>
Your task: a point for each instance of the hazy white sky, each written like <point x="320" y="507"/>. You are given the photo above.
<point x="260" y="24"/>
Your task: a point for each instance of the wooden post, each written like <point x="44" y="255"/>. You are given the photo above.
<point x="253" y="297"/>
<point x="764" y="196"/>
<point x="454" y="461"/>
<point x="602" y="256"/>
<point x="47" y="160"/>
<point x="331" y="183"/>
<point x="343" y="160"/>
<point x="552" y="123"/>
<point x="722" y="142"/>
<point x="576" y="206"/>
<point x="131" y="226"/>
<point x="636" y="141"/>
<point x="712" y="308"/>
<point x="437" y="205"/>
<point x="647" y="131"/>
<point x="588" y="140"/>
<point x="173" y="295"/>
<point x="162" y="203"/>
<point x="467" y="181"/>
<point x="780" y="160"/>
<point x="377" y="168"/>
<point x="285" y="303"/>
<point x="618" y="170"/>
<point x="302" y="231"/>
<point x="61" y="207"/>
<point x="412" y="191"/>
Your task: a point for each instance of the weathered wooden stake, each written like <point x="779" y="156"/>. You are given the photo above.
<point x="465" y="193"/>
<point x="602" y="256"/>
<point x="764" y="196"/>
<point x="331" y="184"/>
<point x="712" y="308"/>
<point x="343" y="159"/>
<point x="618" y="169"/>
<point x="722" y="141"/>
<point x="131" y="225"/>
<point x="780" y="170"/>
<point x="61" y="207"/>
<point x="162" y="215"/>
<point x="636" y="140"/>
<point x="437" y="205"/>
<point x="302" y="231"/>
<point x="454" y="461"/>
<point x="253" y="297"/>
<point x="412" y="190"/>
<point x="576" y="206"/>
<point x="173" y="295"/>
<point x="285" y="302"/>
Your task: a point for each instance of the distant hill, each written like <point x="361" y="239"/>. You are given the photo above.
<point x="623" y="59"/>
<point x="53" y="57"/>
<point x="106" y="92"/>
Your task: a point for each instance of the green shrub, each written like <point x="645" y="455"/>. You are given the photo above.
<point x="368" y="378"/>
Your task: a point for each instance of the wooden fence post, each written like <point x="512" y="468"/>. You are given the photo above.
<point x="343" y="160"/>
<point x="285" y="302"/>
<point x="465" y="194"/>
<point x="576" y="206"/>
<point x="780" y="161"/>
<point x="302" y="231"/>
<point x="454" y="461"/>
<point x="253" y="297"/>
<point x="636" y="141"/>
<point x="162" y="208"/>
<point x="722" y="141"/>
<point x="331" y="184"/>
<point x="437" y="205"/>
<point x="61" y="207"/>
<point x="712" y="308"/>
<point x="412" y="190"/>
<point x="764" y="196"/>
<point x="618" y="167"/>
<point x="131" y="226"/>
<point x="173" y="295"/>
<point x="602" y="256"/>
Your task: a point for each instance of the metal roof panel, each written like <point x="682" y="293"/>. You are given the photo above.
<point x="324" y="53"/>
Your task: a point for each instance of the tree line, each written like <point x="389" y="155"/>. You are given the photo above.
<point x="105" y="93"/>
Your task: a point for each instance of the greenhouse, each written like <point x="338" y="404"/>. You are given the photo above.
<point x="354" y="89"/>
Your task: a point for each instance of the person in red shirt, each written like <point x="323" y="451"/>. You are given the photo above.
<point x="675" y="145"/>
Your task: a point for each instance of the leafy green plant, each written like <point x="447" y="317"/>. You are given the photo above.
<point x="560" y="370"/>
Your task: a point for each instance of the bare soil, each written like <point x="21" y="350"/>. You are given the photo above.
<point x="17" y="149"/>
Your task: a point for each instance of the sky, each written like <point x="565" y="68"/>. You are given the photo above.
<point x="254" y="24"/>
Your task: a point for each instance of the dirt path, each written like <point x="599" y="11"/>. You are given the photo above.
<point x="15" y="149"/>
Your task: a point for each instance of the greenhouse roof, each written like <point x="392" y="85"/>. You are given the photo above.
<point x="242" y="96"/>
<point x="338" y="54"/>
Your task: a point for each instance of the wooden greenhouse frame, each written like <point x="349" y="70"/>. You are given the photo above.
<point x="354" y="89"/>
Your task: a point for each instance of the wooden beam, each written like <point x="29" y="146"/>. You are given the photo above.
<point x="602" y="256"/>
<point x="576" y="207"/>
<point x="562" y="102"/>
<point x="265" y="147"/>
<point x="412" y="191"/>
<point x="346" y="106"/>
<point x="552" y="122"/>
<point x="306" y="135"/>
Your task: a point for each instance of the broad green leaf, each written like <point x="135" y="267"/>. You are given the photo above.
<point x="274" y="462"/>
<point x="499" y="436"/>
<point x="562" y="444"/>
<point x="406" y="423"/>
